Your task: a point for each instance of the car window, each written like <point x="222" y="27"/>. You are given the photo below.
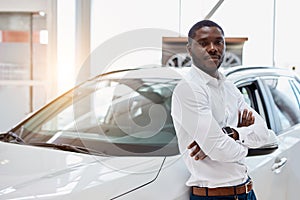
<point x="253" y="98"/>
<point x="115" y="116"/>
<point x="296" y="90"/>
<point x="286" y="101"/>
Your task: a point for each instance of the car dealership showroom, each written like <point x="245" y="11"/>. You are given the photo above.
<point x="149" y="100"/>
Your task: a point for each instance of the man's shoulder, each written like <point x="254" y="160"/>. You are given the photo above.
<point x="190" y="82"/>
<point x="231" y="87"/>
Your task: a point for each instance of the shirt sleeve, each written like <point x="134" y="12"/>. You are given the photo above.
<point x="192" y="115"/>
<point x="257" y="134"/>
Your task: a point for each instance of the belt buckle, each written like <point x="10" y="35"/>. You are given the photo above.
<point x="246" y="186"/>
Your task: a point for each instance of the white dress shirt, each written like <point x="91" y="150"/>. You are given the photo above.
<point x="201" y="106"/>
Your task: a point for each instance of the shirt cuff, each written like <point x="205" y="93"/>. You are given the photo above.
<point x="243" y="132"/>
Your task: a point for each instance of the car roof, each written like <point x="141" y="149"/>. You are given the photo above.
<point x="148" y="72"/>
<point x="256" y="71"/>
<point x="233" y="73"/>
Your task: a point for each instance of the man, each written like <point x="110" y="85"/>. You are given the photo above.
<point x="212" y="119"/>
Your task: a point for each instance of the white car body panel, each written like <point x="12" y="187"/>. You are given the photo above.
<point x="28" y="172"/>
<point x="66" y="175"/>
<point x="57" y="174"/>
<point x="280" y="183"/>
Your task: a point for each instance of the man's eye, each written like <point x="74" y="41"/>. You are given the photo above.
<point x="201" y="43"/>
<point x="220" y="42"/>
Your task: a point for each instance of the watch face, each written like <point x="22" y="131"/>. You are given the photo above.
<point x="227" y="130"/>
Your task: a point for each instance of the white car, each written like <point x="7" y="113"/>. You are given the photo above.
<point x="112" y="137"/>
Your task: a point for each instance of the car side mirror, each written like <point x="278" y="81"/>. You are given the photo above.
<point x="270" y="146"/>
<point x="264" y="150"/>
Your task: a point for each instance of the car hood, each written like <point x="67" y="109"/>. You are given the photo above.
<point x="28" y="172"/>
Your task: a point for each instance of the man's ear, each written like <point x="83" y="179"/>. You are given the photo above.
<point x="188" y="48"/>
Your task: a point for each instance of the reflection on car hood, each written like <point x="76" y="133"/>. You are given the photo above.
<point x="57" y="174"/>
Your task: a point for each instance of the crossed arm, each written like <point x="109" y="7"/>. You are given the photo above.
<point x="244" y="119"/>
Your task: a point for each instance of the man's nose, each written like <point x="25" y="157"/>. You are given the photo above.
<point x="211" y="47"/>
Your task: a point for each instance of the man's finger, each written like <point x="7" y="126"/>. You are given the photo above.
<point x="244" y="117"/>
<point x="239" y="118"/>
<point x="250" y="115"/>
<point x="248" y="118"/>
<point x="195" y="151"/>
<point x="200" y="156"/>
<point x="192" y="145"/>
<point x="252" y="120"/>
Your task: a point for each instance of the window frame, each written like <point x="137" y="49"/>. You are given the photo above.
<point x="257" y="84"/>
<point x="272" y="111"/>
<point x="266" y="106"/>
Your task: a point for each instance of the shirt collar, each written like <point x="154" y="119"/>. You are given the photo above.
<point x="207" y="78"/>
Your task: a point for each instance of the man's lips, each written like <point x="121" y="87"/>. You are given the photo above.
<point x="213" y="57"/>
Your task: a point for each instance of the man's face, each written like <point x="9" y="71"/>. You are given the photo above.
<point x="207" y="49"/>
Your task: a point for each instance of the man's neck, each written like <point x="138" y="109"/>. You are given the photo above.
<point x="214" y="74"/>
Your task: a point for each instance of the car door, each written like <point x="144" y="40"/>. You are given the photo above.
<point x="270" y="180"/>
<point x="284" y="93"/>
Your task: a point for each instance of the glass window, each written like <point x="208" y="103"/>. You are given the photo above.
<point x="285" y="100"/>
<point x="252" y="97"/>
<point x="23" y="62"/>
<point x="296" y="89"/>
<point x="115" y="116"/>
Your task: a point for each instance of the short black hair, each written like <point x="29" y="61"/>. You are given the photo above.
<point x="201" y="24"/>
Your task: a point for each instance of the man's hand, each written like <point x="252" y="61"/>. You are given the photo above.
<point x="197" y="153"/>
<point x="245" y="119"/>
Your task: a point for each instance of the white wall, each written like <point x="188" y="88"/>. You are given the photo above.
<point x="287" y="34"/>
<point x="23" y="5"/>
<point x="252" y="19"/>
<point x="113" y="18"/>
<point x="247" y="18"/>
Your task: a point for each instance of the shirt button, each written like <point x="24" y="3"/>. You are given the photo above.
<point x="243" y="141"/>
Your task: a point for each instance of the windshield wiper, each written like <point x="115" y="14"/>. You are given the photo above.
<point x="12" y="138"/>
<point x="67" y="147"/>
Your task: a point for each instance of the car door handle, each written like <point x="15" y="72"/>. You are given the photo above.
<point x="279" y="163"/>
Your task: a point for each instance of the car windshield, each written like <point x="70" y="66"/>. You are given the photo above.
<point x="112" y="116"/>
